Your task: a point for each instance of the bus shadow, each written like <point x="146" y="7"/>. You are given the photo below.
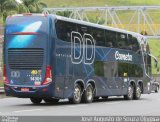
<point x="66" y="102"/>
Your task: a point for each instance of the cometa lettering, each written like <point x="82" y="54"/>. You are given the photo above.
<point x="124" y="57"/>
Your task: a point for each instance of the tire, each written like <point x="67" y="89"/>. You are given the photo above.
<point x="51" y="100"/>
<point x="137" y="92"/>
<point x="157" y="89"/>
<point x="36" y="100"/>
<point x="88" y="94"/>
<point x="129" y="95"/>
<point x="77" y="94"/>
<point x="96" y="98"/>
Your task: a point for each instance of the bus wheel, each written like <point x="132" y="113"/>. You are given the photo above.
<point x="36" y="100"/>
<point x="96" y="98"/>
<point x="77" y="94"/>
<point x="51" y="100"/>
<point x="157" y="89"/>
<point x="129" y="95"/>
<point x="88" y="94"/>
<point x="137" y="93"/>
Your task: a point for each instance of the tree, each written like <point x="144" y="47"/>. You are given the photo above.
<point x="8" y="7"/>
<point x="34" y="6"/>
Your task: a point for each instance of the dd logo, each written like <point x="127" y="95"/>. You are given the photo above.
<point x="15" y="74"/>
<point x="82" y="48"/>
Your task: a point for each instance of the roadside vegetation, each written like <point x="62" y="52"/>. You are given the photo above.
<point x="10" y="7"/>
<point x="155" y="50"/>
<point x="73" y="3"/>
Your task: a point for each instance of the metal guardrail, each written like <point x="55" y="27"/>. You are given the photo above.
<point x="142" y="16"/>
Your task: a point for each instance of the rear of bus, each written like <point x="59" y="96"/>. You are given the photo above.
<point x="27" y="72"/>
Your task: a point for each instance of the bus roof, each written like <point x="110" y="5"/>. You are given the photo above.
<point x="86" y="23"/>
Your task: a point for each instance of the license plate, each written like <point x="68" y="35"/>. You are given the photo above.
<point x="25" y="89"/>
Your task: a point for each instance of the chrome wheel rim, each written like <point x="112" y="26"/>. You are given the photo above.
<point x="89" y="93"/>
<point x="77" y="93"/>
<point x="138" y="92"/>
<point x="157" y="89"/>
<point x="130" y="92"/>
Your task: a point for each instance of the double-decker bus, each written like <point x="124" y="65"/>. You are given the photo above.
<point x="48" y="57"/>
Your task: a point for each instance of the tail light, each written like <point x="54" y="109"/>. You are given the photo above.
<point x="5" y="78"/>
<point x="48" y="76"/>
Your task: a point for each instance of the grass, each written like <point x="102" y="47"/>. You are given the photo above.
<point x="73" y="3"/>
<point x="155" y="50"/>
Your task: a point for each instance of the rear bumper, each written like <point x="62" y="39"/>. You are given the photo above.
<point x="46" y="91"/>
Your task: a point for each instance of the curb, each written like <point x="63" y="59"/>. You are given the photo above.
<point x="1" y="89"/>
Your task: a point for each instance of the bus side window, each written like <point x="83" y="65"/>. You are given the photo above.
<point x="64" y="30"/>
<point x="60" y="31"/>
<point x="133" y="44"/>
<point x="99" y="68"/>
<point x="122" y="41"/>
<point x="83" y="29"/>
<point x="122" y="69"/>
<point x="69" y="28"/>
<point x="98" y="35"/>
<point x="110" y="39"/>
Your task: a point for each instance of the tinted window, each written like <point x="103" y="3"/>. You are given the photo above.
<point x="99" y="68"/>
<point x="110" y="39"/>
<point x="64" y="29"/>
<point x="135" y="70"/>
<point x="130" y="70"/>
<point x="99" y="36"/>
<point x="122" y="69"/>
<point x="133" y="44"/>
<point x="83" y="29"/>
<point x="147" y="60"/>
<point x="122" y="41"/>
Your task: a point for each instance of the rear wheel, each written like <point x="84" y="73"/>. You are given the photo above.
<point x="157" y="89"/>
<point x="137" y="93"/>
<point x="77" y="94"/>
<point x="88" y="94"/>
<point x="51" y="100"/>
<point x="36" y="100"/>
<point x="129" y="95"/>
<point x="96" y="98"/>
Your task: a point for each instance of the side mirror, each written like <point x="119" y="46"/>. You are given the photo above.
<point x="156" y="63"/>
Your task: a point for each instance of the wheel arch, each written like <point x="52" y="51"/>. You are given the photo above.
<point x="140" y="83"/>
<point x="92" y="82"/>
<point x="81" y="83"/>
<point x="132" y="82"/>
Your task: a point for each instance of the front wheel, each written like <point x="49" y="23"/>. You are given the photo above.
<point x="157" y="89"/>
<point x="88" y="94"/>
<point x="137" y="93"/>
<point x="77" y="94"/>
<point x="129" y="95"/>
<point x="36" y="100"/>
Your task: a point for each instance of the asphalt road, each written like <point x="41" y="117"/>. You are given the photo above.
<point x="114" y="106"/>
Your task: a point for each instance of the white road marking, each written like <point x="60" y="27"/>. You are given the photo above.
<point x="28" y="110"/>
